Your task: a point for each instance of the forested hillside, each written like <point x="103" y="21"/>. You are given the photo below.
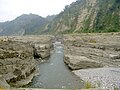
<point x="87" y="16"/>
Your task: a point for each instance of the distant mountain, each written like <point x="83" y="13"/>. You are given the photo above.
<point x="50" y="17"/>
<point x="87" y="16"/>
<point x="24" y="24"/>
<point x="79" y="16"/>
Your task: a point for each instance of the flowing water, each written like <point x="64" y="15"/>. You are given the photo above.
<point x="54" y="74"/>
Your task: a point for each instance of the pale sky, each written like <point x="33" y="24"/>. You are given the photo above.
<point x="10" y="9"/>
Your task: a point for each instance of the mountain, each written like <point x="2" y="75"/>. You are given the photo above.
<point x="87" y="16"/>
<point x="42" y="29"/>
<point x="24" y="24"/>
<point x="50" y="17"/>
<point x="79" y="16"/>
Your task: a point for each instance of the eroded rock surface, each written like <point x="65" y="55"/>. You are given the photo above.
<point x="42" y="51"/>
<point x="19" y="57"/>
<point x="101" y="48"/>
<point x="81" y="62"/>
<point x="42" y="44"/>
<point x="17" y="64"/>
<point x="84" y="50"/>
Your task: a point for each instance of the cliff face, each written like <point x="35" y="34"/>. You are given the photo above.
<point x="87" y="16"/>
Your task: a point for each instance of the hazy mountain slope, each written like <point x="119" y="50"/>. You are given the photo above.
<point x="79" y="16"/>
<point x="87" y="16"/>
<point x="43" y="28"/>
<point x="24" y="24"/>
<point x="50" y="17"/>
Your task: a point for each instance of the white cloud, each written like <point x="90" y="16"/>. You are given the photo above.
<point x="10" y="9"/>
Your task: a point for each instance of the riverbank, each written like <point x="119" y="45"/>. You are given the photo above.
<point x="86" y="51"/>
<point x="54" y="74"/>
<point x="94" y="58"/>
<point x="18" y="58"/>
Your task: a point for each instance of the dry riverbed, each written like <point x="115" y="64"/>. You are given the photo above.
<point x="95" y="58"/>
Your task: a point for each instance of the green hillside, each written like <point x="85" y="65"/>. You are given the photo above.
<point x="81" y="16"/>
<point x="87" y="16"/>
<point x="22" y="25"/>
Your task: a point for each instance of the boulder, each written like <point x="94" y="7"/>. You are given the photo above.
<point x="42" y="51"/>
<point x="114" y="56"/>
<point x="80" y="62"/>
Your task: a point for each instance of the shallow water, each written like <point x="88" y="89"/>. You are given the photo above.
<point x="54" y="74"/>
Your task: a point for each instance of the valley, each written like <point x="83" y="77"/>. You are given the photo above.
<point x="79" y="48"/>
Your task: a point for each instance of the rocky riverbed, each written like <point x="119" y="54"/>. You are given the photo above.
<point x="94" y="58"/>
<point x="88" y="55"/>
<point x="19" y="56"/>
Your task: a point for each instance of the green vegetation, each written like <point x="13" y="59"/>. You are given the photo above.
<point x="89" y="85"/>
<point x="82" y="16"/>
<point x="102" y="18"/>
<point x="115" y="88"/>
<point x="25" y="24"/>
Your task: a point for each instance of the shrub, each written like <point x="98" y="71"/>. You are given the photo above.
<point x="88" y="85"/>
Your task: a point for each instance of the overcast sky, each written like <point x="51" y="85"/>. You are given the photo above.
<point x="10" y="9"/>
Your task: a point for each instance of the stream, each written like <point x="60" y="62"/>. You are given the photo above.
<point x="54" y="74"/>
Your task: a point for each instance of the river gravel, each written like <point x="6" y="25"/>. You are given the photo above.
<point x="106" y="78"/>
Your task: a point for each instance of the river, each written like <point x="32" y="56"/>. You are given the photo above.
<point x="54" y="74"/>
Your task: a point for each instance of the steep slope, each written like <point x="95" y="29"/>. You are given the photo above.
<point x="87" y="16"/>
<point x="50" y="17"/>
<point x="42" y="29"/>
<point x="24" y="24"/>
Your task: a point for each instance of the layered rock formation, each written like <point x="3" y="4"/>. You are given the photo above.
<point x="95" y="58"/>
<point x="80" y="62"/>
<point x="42" y="51"/>
<point x="18" y="56"/>
<point x="17" y="64"/>
<point x="42" y="44"/>
<point x="90" y="50"/>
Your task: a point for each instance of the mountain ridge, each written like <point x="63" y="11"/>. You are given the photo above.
<point x="82" y="16"/>
<point x="24" y="24"/>
<point x="88" y="16"/>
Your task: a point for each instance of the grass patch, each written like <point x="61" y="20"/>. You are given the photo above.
<point x="92" y="41"/>
<point x="89" y="85"/>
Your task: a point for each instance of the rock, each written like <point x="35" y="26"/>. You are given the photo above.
<point x="3" y="83"/>
<point x="42" y="51"/>
<point x="17" y="72"/>
<point x="117" y="49"/>
<point x="17" y="63"/>
<point x="114" y="56"/>
<point x="102" y="47"/>
<point x="4" y="39"/>
<point x="80" y="62"/>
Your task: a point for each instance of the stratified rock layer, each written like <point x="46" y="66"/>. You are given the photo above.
<point x="17" y="64"/>
<point x="89" y="52"/>
<point x="42" y="51"/>
<point x="80" y="62"/>
<point x="97" y="49"/>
